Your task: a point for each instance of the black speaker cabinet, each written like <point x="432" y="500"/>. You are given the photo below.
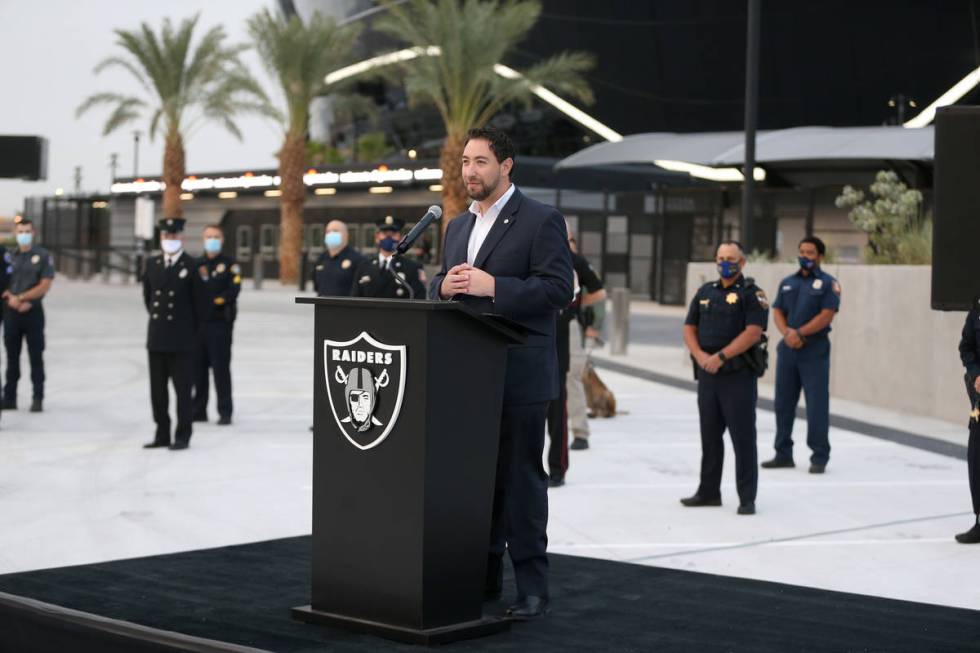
<point x="23" y="157"/>
<point x="956" y="226"/>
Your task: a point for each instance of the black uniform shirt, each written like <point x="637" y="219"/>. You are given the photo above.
<point x="371" y="281"/>
<point x="171" y="295"/>
<point x="221" y="281"/>
<point x="26" y="269"/>
<point x="720" y="313"/>
<point x="970" y="343"/>
<point x="333" y="276"/>
<point x="588" y="282"/>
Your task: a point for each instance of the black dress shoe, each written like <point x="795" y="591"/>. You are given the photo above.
<point x="747" y="508"/>
<point x="697" y="502"/>
<point x="777" y="463"/>
<point x="10" y="404"/>
<point x="224" y="420"/>
<point x="817" y="469"/>
<point x="556" y="480"/>
<point x="528" y="608"/>
<point x="156" y="444"/>
<point x="36" y="406"/>
<point x="179" y="444"/>
<point x="578" y="444"/>
<point x="972" y="536"/>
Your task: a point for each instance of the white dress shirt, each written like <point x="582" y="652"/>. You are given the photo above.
<point x="383" y="261"/>
<point x="484" y="222"/>
<point x="170" y="259"/>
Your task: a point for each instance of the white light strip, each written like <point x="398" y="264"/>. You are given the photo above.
<point x="245" y="182"/>
<point x="952" y="96"/>
<point x="382" y="60"/>
<point x="711" y="174"/>
<point x="408" y="54"/>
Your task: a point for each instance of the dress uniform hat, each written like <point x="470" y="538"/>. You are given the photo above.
<point x="389" y="223"/>
<point x="172" y="225"/>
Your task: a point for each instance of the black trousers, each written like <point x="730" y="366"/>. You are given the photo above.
<point x="728" y="401"/>
<point x="558" y="430"/>
<point x="171" y="367"/>
<point x="520" y="504"/>
<point x="973" y="464"/>
<point x="18" y="327"/>
<point x="212" y="349"/>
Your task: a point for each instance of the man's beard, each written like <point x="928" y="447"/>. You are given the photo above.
<point x="486" y="190"/>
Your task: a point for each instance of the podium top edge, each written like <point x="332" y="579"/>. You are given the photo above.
<point x="369" y="302"/>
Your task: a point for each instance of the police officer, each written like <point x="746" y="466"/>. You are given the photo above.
<point x="31" y="271"/>
<point x="170" y="284"/>
<point x="970" y="355"/>
<point x="726" y="319"/>
<point x="804" y="308"/>
<point x="221" y="281"/>
<point x="333" y="273"/>
<point x="374" y="276"/>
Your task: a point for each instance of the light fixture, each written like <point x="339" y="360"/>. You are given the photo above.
<point x="59" y="192"/>
<point x="325" y="191"/>
<point x="408" y="54"/>
<point x="273" y="193"/>
<point x="379" y="190"/>
<point x="706" y="172"/>
<point x="952" y="96"/>
<point x="227" y="195"/>
<point x="99" y="205"/>
<point x="412" y="154"/>
<point x="186" y="196"/>
<point x="436" y="188"/>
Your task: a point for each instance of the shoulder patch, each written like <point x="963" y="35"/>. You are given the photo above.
<point x="763" y="300"/>
<point x="836" y="287"/>
<point x="236" y="269"/>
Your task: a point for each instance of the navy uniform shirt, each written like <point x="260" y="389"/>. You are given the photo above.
<point x="333" y="276"/>
<point x="221" y="281"/>
<point x="721" y="314"/>
<point x="26" y="269"/>
<point x="802" y="298"/>
<point x="371" y="281"/>
<point x="170" y="295"/>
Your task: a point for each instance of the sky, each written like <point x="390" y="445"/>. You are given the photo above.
<point x="48" y="49"/>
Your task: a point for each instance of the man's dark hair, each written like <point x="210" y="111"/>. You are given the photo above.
<point x="816" y="242"/>
<point x="500" y="143"/>
<point x="24" y="221"/>
<point x="732" y="242"/>
<point x="216" y="226"/>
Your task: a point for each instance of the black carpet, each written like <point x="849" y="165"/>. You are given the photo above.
<point x="243" y="594"/>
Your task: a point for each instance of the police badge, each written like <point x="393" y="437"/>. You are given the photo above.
<point x="365" y="387"/>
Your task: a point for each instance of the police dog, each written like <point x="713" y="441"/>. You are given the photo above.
<point x="600" y="400"/>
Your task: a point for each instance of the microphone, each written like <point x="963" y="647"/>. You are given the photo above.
<point x="433" y="214"/>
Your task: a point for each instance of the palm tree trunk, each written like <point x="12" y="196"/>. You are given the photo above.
<point x="173" y="174"/>
<point x="292" y="165"/>
<point x="453" y="193"/>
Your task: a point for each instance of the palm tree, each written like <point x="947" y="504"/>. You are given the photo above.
<point x="473" y="36"/>
<point x="182" y="86"/>
<point x="298" y="56"/>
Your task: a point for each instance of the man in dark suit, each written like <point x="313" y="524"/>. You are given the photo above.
<point x="220" y="283"/>
<point x="375" y="275"/>
<point x="509" y="255"/>
<point x="169" y="292"/>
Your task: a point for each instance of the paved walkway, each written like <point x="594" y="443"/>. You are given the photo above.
<point x="75" y="486"/>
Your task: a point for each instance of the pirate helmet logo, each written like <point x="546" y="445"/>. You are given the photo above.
<point x="365" y="387"/>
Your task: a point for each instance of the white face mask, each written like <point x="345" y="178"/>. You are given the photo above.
<point x="171" y="245"/>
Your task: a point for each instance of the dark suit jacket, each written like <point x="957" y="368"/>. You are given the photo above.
<point x="527" y="253"/>
<point x="171" y="297"/>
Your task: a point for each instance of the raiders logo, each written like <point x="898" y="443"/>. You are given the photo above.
<point x="365" y="387"/>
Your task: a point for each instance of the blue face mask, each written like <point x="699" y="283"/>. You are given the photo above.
<point x="25" y="240"/>
<point x="212" y="245"/>
<point x="333" y="239"/>
<point x="807" y="264"/>
<point x="728" y="269"/>
<point x="388" y="243"/>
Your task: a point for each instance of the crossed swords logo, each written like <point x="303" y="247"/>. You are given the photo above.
<point x="381" y="382"/>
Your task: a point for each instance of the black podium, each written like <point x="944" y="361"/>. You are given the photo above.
<point x="407" y="405"/>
